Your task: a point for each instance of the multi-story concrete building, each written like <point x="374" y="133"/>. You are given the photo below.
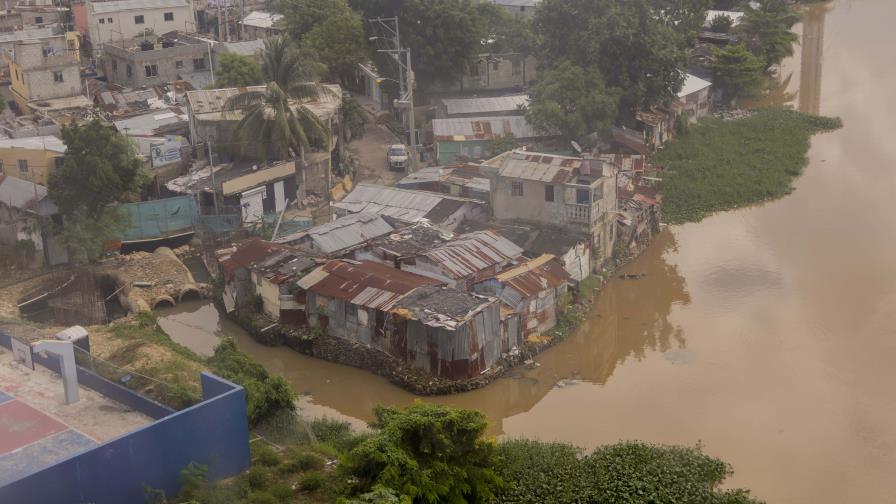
<point x="153" y="60"/>
<point x="40" y="71"/>
<point x="576" y="193"/>
<point x="31" y="159"/>
<point x="116" y="20"/>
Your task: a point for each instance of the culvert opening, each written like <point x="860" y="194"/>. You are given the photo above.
<point x="162" y="302"/>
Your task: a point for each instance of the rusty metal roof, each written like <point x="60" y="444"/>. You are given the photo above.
<point x="364" y="283"/>
<point x="471" y="253"/>
<point x="536" y="166"/>
<point x="534" y="276"/>
<point x="440" y="306"/>
<point x="461" y="129"/>
<point x="247" y="254"/>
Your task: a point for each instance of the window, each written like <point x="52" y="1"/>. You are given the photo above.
<point x="114" y="66"/>
<point x="549" y="193"/>
<point x="169" y="16"/>
<point x="517" y="68"/>
<point x="178" y="64"/>
<point x="138" y="19"/>
<point x="102" y="21"/>
<point x="109" y="20"/>
<point x="57" y="76"/>
<point x="129" y="71"/>
<point x="23" y="165"/>
<point x="516" y="188"/>
<point x="495" y="66"/>
<point x="38" y="20"/>
<point x="199" y="64"/>
<point x="582" y="196"/>
<point x="151" y="70"/>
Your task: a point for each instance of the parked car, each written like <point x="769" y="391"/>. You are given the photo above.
<point x="397" y="157"/>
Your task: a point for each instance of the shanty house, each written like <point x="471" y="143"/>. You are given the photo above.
<point x="462" y="179"/>
<point x="262" y="24"/>
<point x="403" y="245"/>
<point x="465" y="260"/>
<point x="440" y="330"/>
<point x="571" y="192"/>
<point x="262" y="191"/>
<point x="447" y="333"/>
<point x="492" y="106"/>
<point x="22" y="205"/>
<point x="409" y="207"/>
<point x="470" y="138"/>
<point x="274" y="278"/>
<point x="533" y="289"/>
<point x="236" y="263"/>
<point x="341" y="236"/>
<point x="693" y="99"/>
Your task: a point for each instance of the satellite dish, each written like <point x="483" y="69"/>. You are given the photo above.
<point x="576" y="146"/>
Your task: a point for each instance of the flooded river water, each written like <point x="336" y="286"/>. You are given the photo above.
<point x="766" y="334"/>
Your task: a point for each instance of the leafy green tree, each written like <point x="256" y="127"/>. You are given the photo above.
<point x="572" y="101"/>
<point x="353" y="118"/>
<point x="237" y="70"/>
<point x="302" y="16"/>
<point x="429" y="453"/>
<point x="379" y="495"/>
<point x="737" y="72"/>
<point x="636" y="45"/>
<point x="101" y="167"/>
<point x="84" y="235"/>
<point x="766" y="31"/>
<point x="444" y="35"/>
<point x="502" y="144"/>
<point x="339" y="43"/>
<point x="721" y="24"/>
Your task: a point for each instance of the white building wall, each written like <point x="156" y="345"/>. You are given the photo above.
<point x="123" y="26"/>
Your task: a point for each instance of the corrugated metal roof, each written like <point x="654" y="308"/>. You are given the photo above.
<point x="460" y="129"/>
<point x="147" y="124"/>
<point x="364" y="283"/>
<point x="534" y="276"/>
<point x="49" y="143"/>
<point x="536" y="166"/>
<point x="245" y="48"/>
<point x="404" y="204"/>
<point x="485" y="105"/>
<point x="21" y="194"/>
<point x="348" y="231"/>
<point x="123" y="5"/>
<point x="258" y="178"/>
<point x="261" y="19"/>
<point x="474" y="252"/>
<point x="247" y="254"/>
<point x="440" y="306"/>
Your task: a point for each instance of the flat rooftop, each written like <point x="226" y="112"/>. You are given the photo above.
<point x="37" y="428"/>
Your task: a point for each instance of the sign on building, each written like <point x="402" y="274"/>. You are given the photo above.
<point x="166" y="153"/>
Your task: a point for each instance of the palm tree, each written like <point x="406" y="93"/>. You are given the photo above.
<point x="277" y="121"/>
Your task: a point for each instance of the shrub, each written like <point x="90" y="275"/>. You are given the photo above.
<point x="336" y="434"/>
<point x="262" y="498"/>
<point x="312" y="481"/>
<point x="282" y="492"/>
<point x="256" y="478"/>
<point x="265" y="455"/>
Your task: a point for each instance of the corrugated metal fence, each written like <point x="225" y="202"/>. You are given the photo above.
<point x="160" y="218"/>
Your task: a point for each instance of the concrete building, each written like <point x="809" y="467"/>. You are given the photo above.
<point x="155" y="60"/>
<point x="572" y="192"/>
<point x="31" y="159"/>
<point x="107" y="21"/>
<point x="519" y="7"/>
<point x="493" y="72"/>
<point x="261" y="25"/>
<point x="39" y="71"/>
<point x="22" y="204"/>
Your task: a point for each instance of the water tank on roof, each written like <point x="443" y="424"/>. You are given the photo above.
<point x="147" y="45"/>
<point x="166" y="43"/>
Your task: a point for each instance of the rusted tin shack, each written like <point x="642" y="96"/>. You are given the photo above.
<point x="446" y="332"/>
<point x="440" y="330"/>
<point x="533" y="289"/>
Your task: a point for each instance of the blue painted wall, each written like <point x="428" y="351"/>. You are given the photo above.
<point x="214" y="432"/>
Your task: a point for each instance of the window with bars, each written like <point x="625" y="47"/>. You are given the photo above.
<point x="516" y="188"/>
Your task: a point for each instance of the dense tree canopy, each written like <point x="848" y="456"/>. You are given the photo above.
<point x="237" y="70"/>
<point x="638" y="46"/>
<point x="339" y="44"/>
<point x="766" y="31"/>
<point x="443" y="35"/>
<point x="736" y="72"/>
<point x="428" y="453"/>
<point x="572" y="101"/>
<point x="101" y="167"/>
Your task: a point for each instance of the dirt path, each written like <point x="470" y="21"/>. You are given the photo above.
<point x="370" y="152"/>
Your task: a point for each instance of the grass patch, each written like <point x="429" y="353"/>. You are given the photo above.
<point x="721" y="165"/>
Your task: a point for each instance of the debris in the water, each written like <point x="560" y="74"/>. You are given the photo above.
<point x="635" y="276"/>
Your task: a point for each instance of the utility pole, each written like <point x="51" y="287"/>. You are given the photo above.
<point x="411" y="116"/>
<point x="405" y="83"/>
<point x="211" y="168"/>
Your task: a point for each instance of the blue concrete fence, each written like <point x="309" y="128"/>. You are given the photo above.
<point x="214" y="432"/>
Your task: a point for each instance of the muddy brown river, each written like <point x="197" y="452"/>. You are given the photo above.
<point x="766" y="334"/>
